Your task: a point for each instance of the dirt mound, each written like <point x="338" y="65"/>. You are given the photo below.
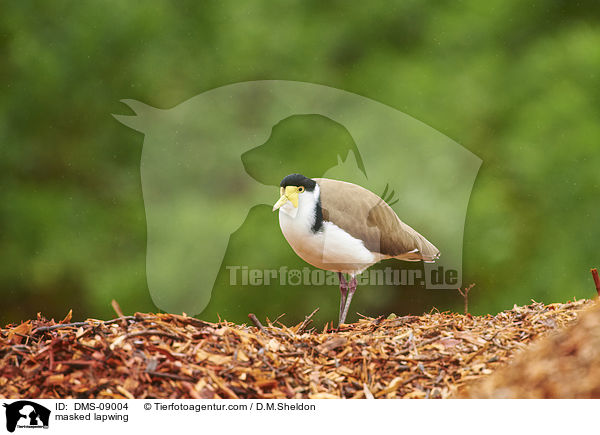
<point x="171" y="356"/>
<point x="564" y="365"/>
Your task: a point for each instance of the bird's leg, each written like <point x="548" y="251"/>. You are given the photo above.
<point x="344" y="294"/>
<point x="351" y="289"/>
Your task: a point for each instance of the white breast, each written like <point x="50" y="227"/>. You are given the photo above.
<point x="331" y="248"/>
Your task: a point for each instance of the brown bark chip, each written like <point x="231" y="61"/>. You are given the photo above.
<point x="173" y="356"/>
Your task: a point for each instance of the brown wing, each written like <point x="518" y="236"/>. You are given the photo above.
<point x="367" y="217"/>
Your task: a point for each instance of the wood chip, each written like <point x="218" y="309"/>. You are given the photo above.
<point x="175" y="356"/>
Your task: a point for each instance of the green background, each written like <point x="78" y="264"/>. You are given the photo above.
<point x="515" y="82"/>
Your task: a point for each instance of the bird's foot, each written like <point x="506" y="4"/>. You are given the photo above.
<point x="350" y="289"/>
<point x="344" y="294"/>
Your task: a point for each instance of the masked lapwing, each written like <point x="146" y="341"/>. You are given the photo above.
<point x="345" y="228"/>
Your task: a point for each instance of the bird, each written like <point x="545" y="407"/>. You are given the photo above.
<point x="342" y="227"/>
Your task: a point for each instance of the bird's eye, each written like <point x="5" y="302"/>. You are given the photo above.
<point x="301" y="189"/>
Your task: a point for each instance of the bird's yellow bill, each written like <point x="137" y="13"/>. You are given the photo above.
<point x="290" y="193"/>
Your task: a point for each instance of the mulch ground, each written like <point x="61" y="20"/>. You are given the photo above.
<point x="172" y="356"/>
<point x="564" y="365"/>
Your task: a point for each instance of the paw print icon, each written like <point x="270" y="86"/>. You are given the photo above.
<point x="294" y="277"/>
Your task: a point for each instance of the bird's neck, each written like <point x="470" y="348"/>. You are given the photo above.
<point x="318" y="216"/>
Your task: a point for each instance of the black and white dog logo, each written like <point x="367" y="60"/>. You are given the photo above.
<point x="26" y="414"/>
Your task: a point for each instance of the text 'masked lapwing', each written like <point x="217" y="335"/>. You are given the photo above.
<point x="345" y="228"/>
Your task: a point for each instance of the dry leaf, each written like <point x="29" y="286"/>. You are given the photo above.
<point x="23" y="329"/>
<point x="471" y="338"/>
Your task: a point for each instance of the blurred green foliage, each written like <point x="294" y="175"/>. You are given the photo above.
<point x="516" y="82"/>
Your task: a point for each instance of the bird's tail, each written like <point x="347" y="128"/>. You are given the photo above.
<point x="429" y="253"/>
<point x="424" y="250"/>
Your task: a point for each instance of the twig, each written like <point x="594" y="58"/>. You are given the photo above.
<point x="220" y="384"/>
<point x="117" y="308"/>
<point x="59" y="326"/>
<point x="152" y="332"/>
<point x="367" y="392"/>
<point x="306" y="321"/>
<point x="596" y="279"/>
<point x="86" y="323"/>
<point x="465" y="295"/>
<point x="257" y="323"/>
<point x="118" y="319"/>
<point x="171" y="376"/>
<point x="477" y="352"/>
<point x="412" y="378"/>
<point x="192" y="321"/>
<point x="288" y="354"/>
<point x="79" y="362"/>
<point x="278" y="318"/>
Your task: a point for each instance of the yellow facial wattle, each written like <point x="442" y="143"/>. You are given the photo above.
<point x="290" y="193"/>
